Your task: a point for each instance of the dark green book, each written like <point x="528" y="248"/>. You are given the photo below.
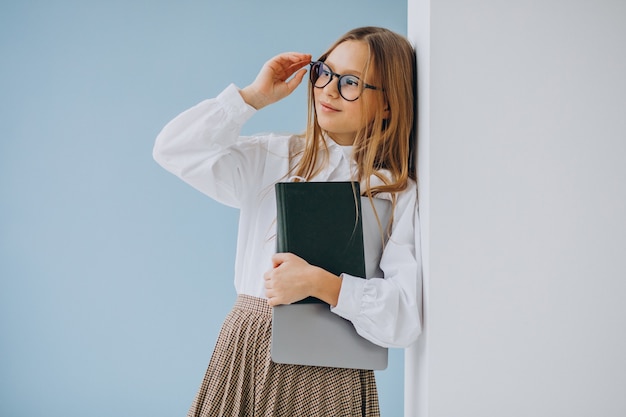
<point x="321" y="222"/>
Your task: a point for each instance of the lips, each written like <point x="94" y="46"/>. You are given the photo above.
<point x="327" y="107"/>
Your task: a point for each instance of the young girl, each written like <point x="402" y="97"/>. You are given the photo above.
<point x="359" y="128"/>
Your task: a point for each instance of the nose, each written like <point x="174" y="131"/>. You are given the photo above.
<point x="332" y="88"/>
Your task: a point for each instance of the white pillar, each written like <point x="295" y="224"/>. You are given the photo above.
<point x="522" y="113"/>
<point x="415" y="359"/>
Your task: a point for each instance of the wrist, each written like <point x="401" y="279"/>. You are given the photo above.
<point x="253" y="97"/>
<point x="325" y="286"/>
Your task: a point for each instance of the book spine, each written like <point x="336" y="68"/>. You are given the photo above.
<point x="281" y="212"/>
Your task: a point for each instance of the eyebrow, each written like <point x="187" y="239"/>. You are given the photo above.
<point x="347" y="72"/>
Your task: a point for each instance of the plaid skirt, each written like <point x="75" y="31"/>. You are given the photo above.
<point x="242" y="380"/>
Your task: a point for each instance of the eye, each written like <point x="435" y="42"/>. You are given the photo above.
<point x="323" y="72"/>
<point x="350" y="81"/>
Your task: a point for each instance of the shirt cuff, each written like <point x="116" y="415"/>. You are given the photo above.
<point x="350" y="297"/>
<point x="234" y="105"/>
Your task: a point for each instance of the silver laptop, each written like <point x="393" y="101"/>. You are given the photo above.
<point x="310" y="334"/>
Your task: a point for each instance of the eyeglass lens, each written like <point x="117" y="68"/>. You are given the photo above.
<point x="349" y="86"/>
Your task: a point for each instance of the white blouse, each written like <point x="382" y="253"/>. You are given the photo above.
<point x="204" y="148"/>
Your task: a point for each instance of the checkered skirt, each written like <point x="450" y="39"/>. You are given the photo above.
<point x="242" y="380"/>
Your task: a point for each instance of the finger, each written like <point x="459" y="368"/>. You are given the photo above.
<point x="294" y="57"/>
<point x="293" y="83"/>
<point x="275" y="300"/>
<point x="284" y="65"/>
<point x="279" y="258"/>
<point x="272" y="302"/>
<point x="300" y="62"/>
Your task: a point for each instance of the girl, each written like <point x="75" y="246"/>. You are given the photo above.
<point x="359" y="128"/>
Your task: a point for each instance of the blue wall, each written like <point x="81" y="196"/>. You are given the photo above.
<point x="114" y="275"/>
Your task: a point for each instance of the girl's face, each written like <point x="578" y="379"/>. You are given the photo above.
<point x="340" y="118"/>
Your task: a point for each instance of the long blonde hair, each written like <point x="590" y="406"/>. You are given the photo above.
<point x="385" y="144"/>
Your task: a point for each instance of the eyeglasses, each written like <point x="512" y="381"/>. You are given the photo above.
<point x="350" y="86"/>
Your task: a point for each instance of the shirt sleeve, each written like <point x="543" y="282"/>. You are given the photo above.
<point x="387" y="311"/>
<point x="203" y="147"/>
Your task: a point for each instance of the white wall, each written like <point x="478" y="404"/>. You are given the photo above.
<point x="523" y="131"/>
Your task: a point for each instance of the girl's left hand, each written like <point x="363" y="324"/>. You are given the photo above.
<point x="289" y="280"/>
<point x="293" y="279"/>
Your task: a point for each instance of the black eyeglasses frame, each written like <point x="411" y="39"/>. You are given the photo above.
<point x="339" y="77"/>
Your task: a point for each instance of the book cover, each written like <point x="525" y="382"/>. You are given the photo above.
<point x="321" y="222"/>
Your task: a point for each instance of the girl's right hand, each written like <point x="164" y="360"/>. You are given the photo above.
<point x="272" y="83"/>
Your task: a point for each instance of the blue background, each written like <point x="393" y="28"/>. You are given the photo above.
<point x="115" y="275"/>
